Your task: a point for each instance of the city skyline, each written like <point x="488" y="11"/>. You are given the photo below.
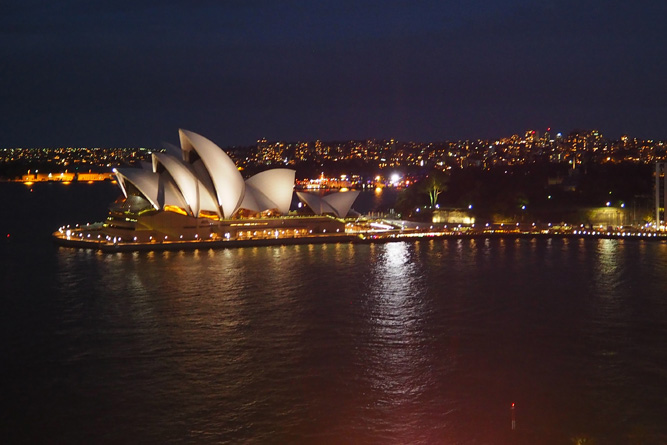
<point x="352" y="157"/>
<point x="127" y="75"/>
<point x="544" y="135"/>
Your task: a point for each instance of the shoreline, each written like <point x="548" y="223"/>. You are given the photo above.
<point x="359" y="238"/>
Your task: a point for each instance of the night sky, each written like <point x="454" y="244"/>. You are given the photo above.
<point x="130" y="73"/>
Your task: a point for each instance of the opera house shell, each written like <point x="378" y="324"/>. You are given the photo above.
<point x="338" y="204"/>
<point x="197" y="191"/>
<point x="206" y="182"/>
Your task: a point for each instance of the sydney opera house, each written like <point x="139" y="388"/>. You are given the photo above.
<point x="196" y="194"/>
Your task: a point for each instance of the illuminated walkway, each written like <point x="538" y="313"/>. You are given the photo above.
<point x="93" y="236"/>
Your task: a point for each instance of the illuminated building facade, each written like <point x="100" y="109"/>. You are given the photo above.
<point x="197" y="193"/>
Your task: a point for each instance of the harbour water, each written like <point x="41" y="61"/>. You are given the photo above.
<point x="406" y="342"/>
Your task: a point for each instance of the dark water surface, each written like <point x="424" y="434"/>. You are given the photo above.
<point x="424" y="342"/>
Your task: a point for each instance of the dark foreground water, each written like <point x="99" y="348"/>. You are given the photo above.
<point x="425" y="342"/>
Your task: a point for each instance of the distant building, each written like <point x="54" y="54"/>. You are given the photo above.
<point x="452" y="216"/>
<point x="604" y="217"/>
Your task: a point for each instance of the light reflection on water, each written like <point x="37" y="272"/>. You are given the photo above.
<point x="425" y="342"/>
<point x="397" y="362"/>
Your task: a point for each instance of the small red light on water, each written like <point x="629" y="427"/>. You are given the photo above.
<point x="512" y="404"/>
<point x="8" y="235"/>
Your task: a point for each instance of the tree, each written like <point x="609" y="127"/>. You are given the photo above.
<point x="434" y="184"/>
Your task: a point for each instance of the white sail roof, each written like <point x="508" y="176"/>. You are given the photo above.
<point x="341" y="201"/>
<point x="272" y="189"/>
<point x="227" y="181"/>
<point x="144" y="180"/>
<point x="206" y="179"/>
<point x="195" y="193"/>
<point x="159" y="190"/>
<point x="337" y="203"/>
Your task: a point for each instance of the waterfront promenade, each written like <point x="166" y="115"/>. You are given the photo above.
<point x="92" y="236"/>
